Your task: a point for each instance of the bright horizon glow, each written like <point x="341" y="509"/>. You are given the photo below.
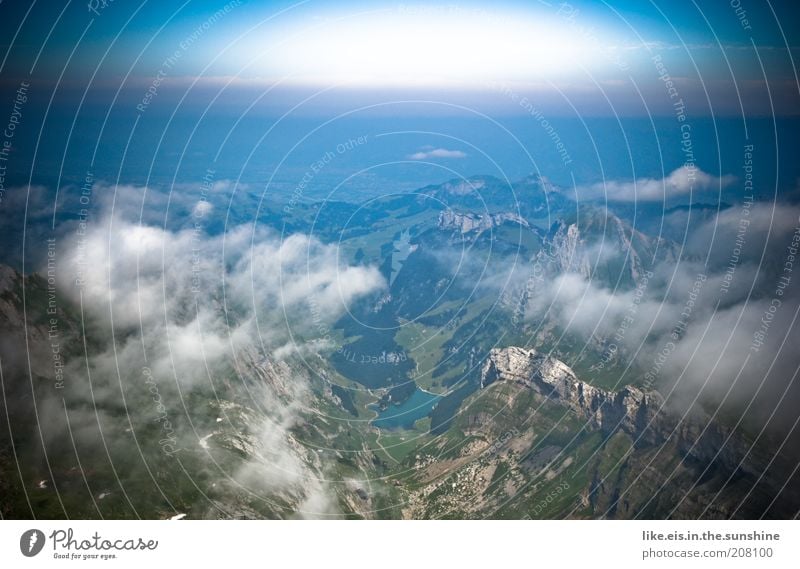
<point x="421" y="47"/>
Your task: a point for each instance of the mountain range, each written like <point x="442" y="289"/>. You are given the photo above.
<point x="475" y="349"/>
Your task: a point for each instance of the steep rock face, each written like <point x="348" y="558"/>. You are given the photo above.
<point x="35" y="331"/>
<point x="569" y="252"/>
<point x="471" y="222"/>
<point x="629" y="409"/>
<point x="642" y="415"/>
<point x="11" y="291"/>
<point x="603" y="244"/>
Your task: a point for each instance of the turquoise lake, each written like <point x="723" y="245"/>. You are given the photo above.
<point x="403" y="416"/>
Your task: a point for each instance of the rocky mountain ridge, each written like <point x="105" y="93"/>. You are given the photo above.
<point x="472" y="222"/>
<point x="644" y="415"/>
<point x="629" y="409"/>
<point x="579" y="247"/>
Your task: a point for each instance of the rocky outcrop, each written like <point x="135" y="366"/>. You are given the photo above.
<point x="569" y="252"/>
<point x="471" y="222"/>
<point x="643" y="415"/>
<point x="629" y="409"/>
<point x="36" y="334"/>
<point x="603" y="240"/>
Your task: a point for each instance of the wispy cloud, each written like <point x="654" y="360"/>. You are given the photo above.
<point x="176" y="303"/>
<point x="681" y="181"/>
<point x="437" y="153"/>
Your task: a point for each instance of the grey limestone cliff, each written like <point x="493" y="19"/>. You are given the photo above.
<point x="472" y="222"/>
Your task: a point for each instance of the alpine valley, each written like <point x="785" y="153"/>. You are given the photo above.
<point x="481" y="348"/>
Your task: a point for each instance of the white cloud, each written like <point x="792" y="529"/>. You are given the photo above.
<point x="437" y="153"/>
<point x="202" y="208"/>
<point x="713" y="356"/>
<point x="201" y="311"/>
<point x="682" y="181"/>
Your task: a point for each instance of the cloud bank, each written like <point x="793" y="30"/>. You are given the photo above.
<point x="713" y="326"/>
<point x="177" y="316"/>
